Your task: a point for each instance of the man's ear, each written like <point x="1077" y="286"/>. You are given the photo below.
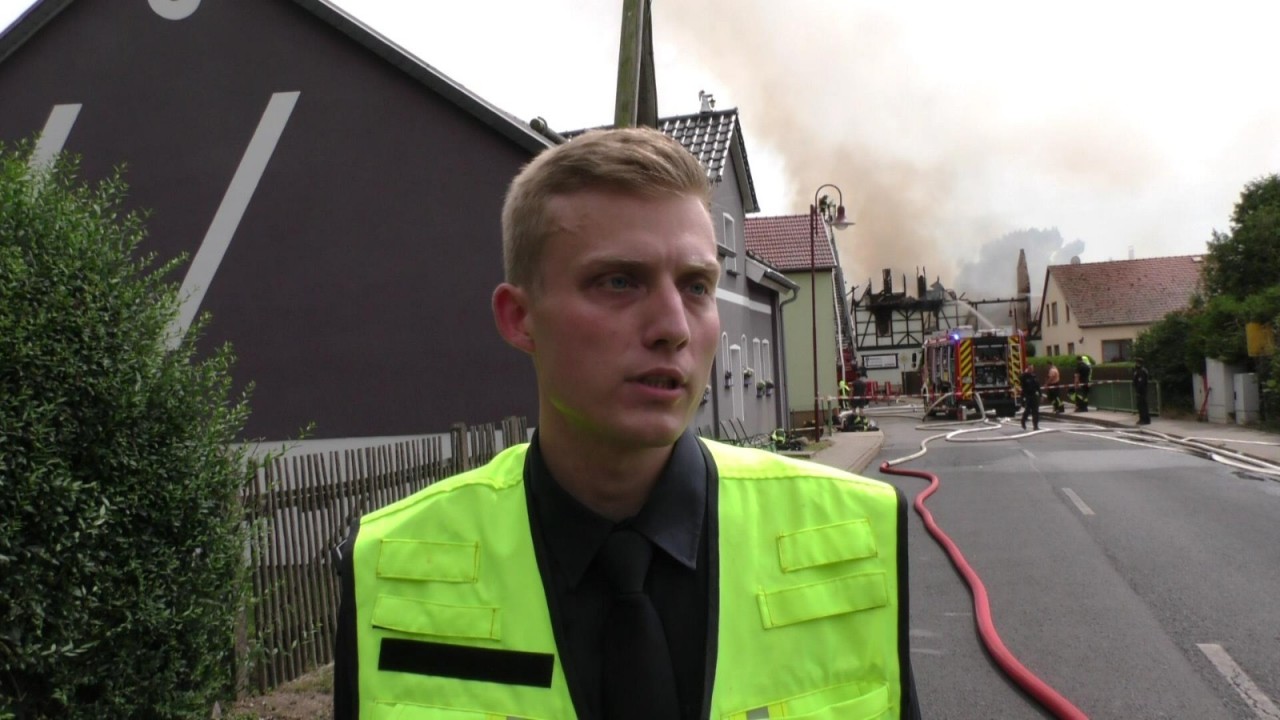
<point x="511" y="315"/>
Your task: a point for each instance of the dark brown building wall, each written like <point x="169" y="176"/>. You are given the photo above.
<point x="355" y="289"/>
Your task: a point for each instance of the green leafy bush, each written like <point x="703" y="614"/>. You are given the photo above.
<point x="1171" y="357"/>
<point x="121" y="540"/>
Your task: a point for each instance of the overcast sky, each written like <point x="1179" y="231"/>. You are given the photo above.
<point x="947" y="125"/>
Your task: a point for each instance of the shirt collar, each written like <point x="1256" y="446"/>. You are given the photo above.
<point x="672" y="517"/>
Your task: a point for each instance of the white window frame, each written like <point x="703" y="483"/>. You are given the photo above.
<point x="735" y="354"/>
<point x="729" y="231"/>
<point x="767" y="360"/>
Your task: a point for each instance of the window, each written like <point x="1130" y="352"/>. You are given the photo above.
<point x="1053" y="313"/>
<point x="1068" y="307"/>
<point x="766" y="370"/>
<point x="735" y="355"/>
<point x="884" y="323"/>
<point x="730" y="238"/>
<point x="1071" y="348"/>
<point x="758" y="364"/>
<point x="1117" y="350"/>
<point x="725" y="367"/>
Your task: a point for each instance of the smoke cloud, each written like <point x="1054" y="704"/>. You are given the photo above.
<point x="930" y="173"/>
<point x="992" y="273"/>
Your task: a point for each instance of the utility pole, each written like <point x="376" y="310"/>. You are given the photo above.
<point x="636" y="102"/>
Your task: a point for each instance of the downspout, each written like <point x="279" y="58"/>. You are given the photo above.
<point x="784" y="399"/>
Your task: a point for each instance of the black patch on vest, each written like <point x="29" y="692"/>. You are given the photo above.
<point x="507" y="667"/>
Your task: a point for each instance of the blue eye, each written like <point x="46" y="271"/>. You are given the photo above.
<point x="699" y="288"/>
<point x="618" y="282"/>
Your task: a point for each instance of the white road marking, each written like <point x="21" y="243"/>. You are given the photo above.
<point x="234" y="203"/>
<point x="1071" y="495"/>
<point x="1253" y="696"/>
<point x="1028" y="453"/>
<point x="54" y="135"/>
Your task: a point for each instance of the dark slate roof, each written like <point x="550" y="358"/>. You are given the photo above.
<point x="1127" y="292"/>
<point x="30" y="22"/>
<point x="783" y="242"/>
<point x="714" y="137"/>
<point x="707" y="135"/>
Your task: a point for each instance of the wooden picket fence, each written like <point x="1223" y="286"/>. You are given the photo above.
<point x="301" y="507"/>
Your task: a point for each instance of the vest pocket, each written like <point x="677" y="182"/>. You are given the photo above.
<point x="410" y="711"/>
<point x="824" y="599"/>
<point x="420" y="617"/>
<point x="826" y="545"/>
<point x="861" y="700"/>
<point x="427" y="561"/>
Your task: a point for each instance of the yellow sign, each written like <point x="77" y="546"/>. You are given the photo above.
<point x="1260" y="339"/>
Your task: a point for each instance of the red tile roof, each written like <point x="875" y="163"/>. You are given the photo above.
<point x="1127" y="292"/>
<point x="783" y="241"/>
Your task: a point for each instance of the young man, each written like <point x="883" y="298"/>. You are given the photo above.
<point x="616" y="566"/>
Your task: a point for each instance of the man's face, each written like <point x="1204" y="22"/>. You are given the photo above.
<point x="622" y="323"/>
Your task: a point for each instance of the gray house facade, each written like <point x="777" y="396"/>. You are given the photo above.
<point x="746" y="391"/>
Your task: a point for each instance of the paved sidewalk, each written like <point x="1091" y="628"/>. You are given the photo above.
<point x="1244" y="440"/>
<point x="851" y="451"/>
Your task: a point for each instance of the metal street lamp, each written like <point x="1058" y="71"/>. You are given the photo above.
<point x="840" y="222"/>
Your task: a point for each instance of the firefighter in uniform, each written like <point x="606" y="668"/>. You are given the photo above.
<point x="617" y="566"/>
<point x="1080" y="395"/>
<point x="1030" y="398"/>
<point x="1141" y="378"/>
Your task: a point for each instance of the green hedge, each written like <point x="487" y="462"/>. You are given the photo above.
<point x="121" y="541"/>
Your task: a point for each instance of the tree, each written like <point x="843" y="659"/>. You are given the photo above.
<point x="121" y="537"/>
<point x="1246" y="260"/>
<point x="1169" y="357"/>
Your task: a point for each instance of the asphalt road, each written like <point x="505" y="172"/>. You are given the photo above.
<point x="1108" y="565"/>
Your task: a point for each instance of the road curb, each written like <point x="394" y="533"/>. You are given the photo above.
<point x="1226" y="446"/>
<point x="863" y="459"/>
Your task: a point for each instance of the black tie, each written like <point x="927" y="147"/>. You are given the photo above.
<point x="638" y="682"/>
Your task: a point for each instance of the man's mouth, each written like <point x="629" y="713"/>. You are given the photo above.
<point x="661" y="382"/>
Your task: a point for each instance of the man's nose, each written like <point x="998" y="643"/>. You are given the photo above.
<point x="666" y="318"/>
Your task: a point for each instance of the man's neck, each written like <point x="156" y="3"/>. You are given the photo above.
<point x="612" y="483"/>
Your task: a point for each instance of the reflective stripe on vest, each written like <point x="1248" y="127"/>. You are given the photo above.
<point x="808" y="614"/>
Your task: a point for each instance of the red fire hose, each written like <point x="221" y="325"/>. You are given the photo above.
<point x="1048" y="698"/>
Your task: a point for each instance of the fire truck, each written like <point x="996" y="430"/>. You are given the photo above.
<point x="961" y="365"/>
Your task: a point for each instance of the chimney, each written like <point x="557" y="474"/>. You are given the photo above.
<point x="708" y="101"/>
<point x="1023" y="278"/>
<point x="887" y="280"/>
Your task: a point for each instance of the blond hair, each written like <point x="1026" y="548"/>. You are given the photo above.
<point x="636" y="161"/>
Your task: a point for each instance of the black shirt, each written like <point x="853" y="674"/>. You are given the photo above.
<point x="567" y="536"/>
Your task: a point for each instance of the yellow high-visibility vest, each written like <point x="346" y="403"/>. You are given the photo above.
<point x="808" y="623"/>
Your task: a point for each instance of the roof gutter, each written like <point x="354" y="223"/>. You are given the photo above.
<point x="763" y="274"/>
<point x="541" y="127"/>
<point x="28" y="24"/>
